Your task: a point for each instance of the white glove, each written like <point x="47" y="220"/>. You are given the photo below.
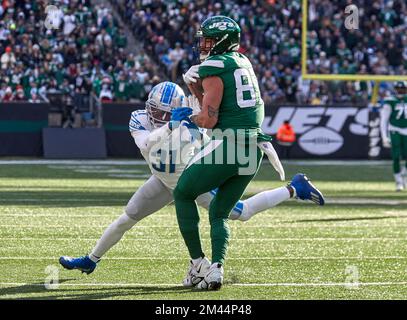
<point x="193" y="103"/>
<point x="191" y="75"/>
<point x="386" y="142"/>
<point x="271" y="153"/>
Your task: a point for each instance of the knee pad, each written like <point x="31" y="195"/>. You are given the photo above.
<point x="125" y="222"/>
<point x="133" y="211"/>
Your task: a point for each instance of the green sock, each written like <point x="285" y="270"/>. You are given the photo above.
<point x="188" y="221"/>
<point x="220" y="239"/>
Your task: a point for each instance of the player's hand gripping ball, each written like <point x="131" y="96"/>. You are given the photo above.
<point x="179" y="114"/>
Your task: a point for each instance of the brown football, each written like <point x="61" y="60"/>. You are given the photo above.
<point x="196" y="88"/>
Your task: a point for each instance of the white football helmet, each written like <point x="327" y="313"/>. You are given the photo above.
<point x="162" y="99"/>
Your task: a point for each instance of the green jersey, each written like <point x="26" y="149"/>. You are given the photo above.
<point x="398" y="116"/>
<point x="241" y="106"/>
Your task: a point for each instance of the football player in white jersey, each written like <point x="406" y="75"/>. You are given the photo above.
<point x="161" y="139"/>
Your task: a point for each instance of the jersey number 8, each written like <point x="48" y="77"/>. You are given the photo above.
<point x="246" y="88"/>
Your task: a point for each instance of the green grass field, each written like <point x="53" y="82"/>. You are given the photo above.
<point x="294" y="251"/>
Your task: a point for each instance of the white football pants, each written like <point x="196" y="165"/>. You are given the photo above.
<point x="153" y="195"/>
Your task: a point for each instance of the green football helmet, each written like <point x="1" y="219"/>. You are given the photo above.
<point x="401" y="88"/>
<point x="218" y="35"/>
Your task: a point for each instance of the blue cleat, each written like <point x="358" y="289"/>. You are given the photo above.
<point x="305" y="190"/>
<point x="83" y="264"/>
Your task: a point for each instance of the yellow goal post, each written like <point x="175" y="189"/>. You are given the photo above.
<point x="338" y="77"/>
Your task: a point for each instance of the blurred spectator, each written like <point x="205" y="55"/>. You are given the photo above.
<point x="90" y="46"/>
<point x="271" y="38"/>
<point x="8" y="95"/>
<point x="8" y="59"/>
<point x="20" y="96"/>
<point x="74" y="59"/>
<point x="34" y="98"/>
<point x="106" y="94"/>
<point x="175" y="55"/>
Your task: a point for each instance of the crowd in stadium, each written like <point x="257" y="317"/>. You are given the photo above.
<point x="271" y="38"/>
<point x="87" y="54"/>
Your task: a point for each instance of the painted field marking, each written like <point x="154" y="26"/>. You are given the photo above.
<point x="229" y="258"/>
<point x="362" y="201"/>
<point x="76" y="162"/>
<point x="284" y="225"/>
<point x="67" y="216"/>
<point x="207" y="239"/>
<point x="363" y="163"/>
<point x="281" y="284"/>
<point x="117" y="175"/>
<point x="93" y="168"/>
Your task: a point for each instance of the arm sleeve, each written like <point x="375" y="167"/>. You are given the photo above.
<point x="157" y="136"/>
<point x="384" y="120"/>
<point x="138" y="129"/>
<point x="145" y="140"/>
<point x="136" y="122"/>
<point x="141" y="139"/>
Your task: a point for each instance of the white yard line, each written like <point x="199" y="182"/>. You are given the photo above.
<point x="84" y="215"/>
<point x="58" y="200"/>
<point x="144" y="176"/>
<point x="75" y="162"/>
<point x="142" y="162"/>
<point x="365" y="201"/>
<point x="282" y="284"/>
<point x="229" y="258"/>
<point x="368" y="201"/>
<point x="322" y="284"/>
<point x="285" y="225"/>
<point x="363" y="163"/>
<point x="207" y="239"/>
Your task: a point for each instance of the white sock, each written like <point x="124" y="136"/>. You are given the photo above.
<point x="195" y="262"/>
<point x="94" y="258"/>
<point x="263" y="201"/>
<point x="237" y="210"/>
<point x="111" y="236"/>
<point x="399" y="178"/>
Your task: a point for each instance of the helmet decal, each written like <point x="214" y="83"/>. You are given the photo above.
<point x="168" y="92"/>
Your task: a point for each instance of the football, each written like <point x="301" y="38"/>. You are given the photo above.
<point x="122" y="177"/>
<point x="196" y="88"/>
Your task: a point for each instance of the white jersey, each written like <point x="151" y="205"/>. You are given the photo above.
<point x="166" y="152"/>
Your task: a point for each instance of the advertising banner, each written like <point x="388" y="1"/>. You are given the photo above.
<point x="330" y="132"/>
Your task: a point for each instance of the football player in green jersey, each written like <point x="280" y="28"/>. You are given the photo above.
<point x="232" y="107"/>
<point x="394" y="131"/>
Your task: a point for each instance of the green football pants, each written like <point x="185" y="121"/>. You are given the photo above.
<point x="398" y="150"/>
<point x="201" y="177"/>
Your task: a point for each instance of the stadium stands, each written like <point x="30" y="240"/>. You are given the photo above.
<point x="271" y="37"/>
<point x="85" y="54"/>
<point x="88" y="53"/>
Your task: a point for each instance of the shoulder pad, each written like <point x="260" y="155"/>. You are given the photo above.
<point x="216" y="65"/>
<point x="138" y="121"/>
